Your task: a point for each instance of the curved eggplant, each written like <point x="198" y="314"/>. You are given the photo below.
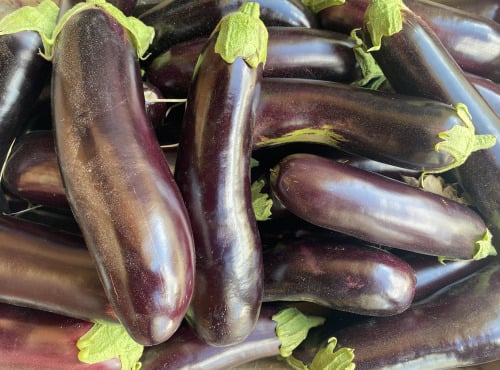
<point x="126" y="202"/>
<point x="485" y="8"/>
<point x="457" y="327"/>
<point x="378" y="209"/>
<point x="298" y="52"/>
<point x="341" y="275"/>
<point x="213" y="174"/>
<point x="176" y="21"/>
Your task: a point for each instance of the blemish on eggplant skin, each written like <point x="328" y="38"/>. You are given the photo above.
<point x="353" y="282"/>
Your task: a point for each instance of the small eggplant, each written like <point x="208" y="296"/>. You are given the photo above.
<point x="342" y="275"/>
<point x="176" y="21"/>
<point x="458" y="326"/>
<point x="378" y="209"/>
<point x="213" y="174"/>
<point x="126" y="202"/>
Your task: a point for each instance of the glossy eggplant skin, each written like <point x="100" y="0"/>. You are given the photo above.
<point x="473" y="41"/>
<point x="426" y="69"/>
<point x="375" y="208"/>
<point x="485" y="8"/>
<point x="459" y="326"/>
<point x="33" y="339"/>
<point x="49" y="270"/>
<point x="298" y="52"/>
<point x="342" y="275"/>
<point x="23" y="74"/>
<point x="185" y="350"/>
<point x="489" y="90"/>
<point x="118" y="185"/>
<point x="213" y="174"/>
<point x="390" y="128"/>
<point x="176" y="21"/>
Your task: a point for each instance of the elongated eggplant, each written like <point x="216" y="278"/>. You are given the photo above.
<point x="400" y="130"/>
<point x="457" y="327"/>
<point x="49" y="270"/>
<point x="176" y="21"/>
<point x="489" y="90"/>
<point x="473" y="41"/>
<point x="126" y="202"/>
<point x="341" y="275"/>
<point x="425" y="68"/>
<point x="378" y="209"/>
<point x="298" y="52"/>
<point x="23" y="74"/>
<point x="269" y="338"/>
<point x="213" y="174"/>
<point x="33" y="339"/>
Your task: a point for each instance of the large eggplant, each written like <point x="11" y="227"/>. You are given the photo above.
<point x="213" y="174"/>
<point x="126" y="202"/>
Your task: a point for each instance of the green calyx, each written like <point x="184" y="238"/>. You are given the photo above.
<point x="383" y="18"/>
<point x="292" y="328"/>
<point x="484" y="247"/>
<point x="261" y="202"/>
<point x="43" y="19"/>
<point x="105" y="341"/>
<point x="242" y="34"/>
<point x="460" y="141"/>
<point x="327" y="358"/>
<point x="318" y="5"/>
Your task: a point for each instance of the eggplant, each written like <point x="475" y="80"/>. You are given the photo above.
<point x="269" y="338"/>
<point x="489" y="90"/>
<point x="485" y="8"/>
<point x="400" y="130"/>
<point x="341" y="275"/>
<point x="213" y="174"/>
<point x="126" y="202"/>
<point x="23" y="74"/>
<point x="34" y="339"/>
<point x="426" y="69"/>
<point x="176" y="21"/>
<point x="46" y="269"/>
<point x="456" y="327"/>
<point x="299" y="52"/>
<point x="473" y="41"/>
<point x="377" y="209"/>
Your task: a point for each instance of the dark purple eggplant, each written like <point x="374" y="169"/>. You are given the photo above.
<point x="23" y="74"/>
<point x="269" y="338"/>
<point x="342" y="275"/>
<point x="126" y="202"/>
<point x="213" y="174"/>
<point x="378" y="209"/>
<point x="392" y="128"/>
<point x="298" y="52"/>
<point x="49" y="270"/>
<point x="433" y="275"/>
<point x="485" y="8"/>
<point x="489" y="90"/>
<point x="176" y="21"/>
<point x="415" y="62"/>
<point x="473" y="41"/>
<point x="156" y="106"/>
<point x="457" y="327"/>
<point x="33" y="339"/>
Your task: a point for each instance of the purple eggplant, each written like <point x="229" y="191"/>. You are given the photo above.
<point x="49" y="270"/>
<point x="485" y="8"/>
<point x="33" y="339"/>
<point x="176" y="21"/>
<point x="126" y="202"/>
<point x="400" y="130"/>
<point x="213" y="174"/>
<point x="298" y="52"/>
<point x="458" y="326"/>
<point x="489" y="90"/>
<point x="473" y="41"/>
<point x="426" y="69"/>
<point x="342" y="275"/>
<point x="378" y="209"/>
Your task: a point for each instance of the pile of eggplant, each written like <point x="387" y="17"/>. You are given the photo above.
<point x="203" y="184"/>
